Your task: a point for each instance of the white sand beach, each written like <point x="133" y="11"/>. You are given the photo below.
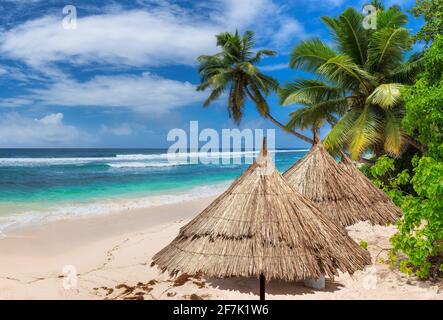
<point x="111" y="255"/>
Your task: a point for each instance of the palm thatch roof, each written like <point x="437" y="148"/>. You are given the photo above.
<point x="318" y="177"/>
<point x="262" y="227"/>
<point x="379" y="199"/>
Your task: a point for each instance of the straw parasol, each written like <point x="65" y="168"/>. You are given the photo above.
<point x="318" y="177"/>
<point x="261" y="227"/>
<point x="379" y="199"/>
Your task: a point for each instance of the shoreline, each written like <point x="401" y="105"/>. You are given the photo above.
<point x="109" y="253"/>
<point x="106" y="206"/>
<point x="32" y="260"/>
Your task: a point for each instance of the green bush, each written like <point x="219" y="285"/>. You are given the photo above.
<point x="420" y="232"/>
<point x="419" y="192"/>
<point x="363" y="244"/>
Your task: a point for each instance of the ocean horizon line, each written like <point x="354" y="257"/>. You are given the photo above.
<point x="39" y="185"/>
<point x="129" y="148"/>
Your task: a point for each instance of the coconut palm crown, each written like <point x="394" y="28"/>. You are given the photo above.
<point x="357" y="83"/>
<point x="234" y="71"/>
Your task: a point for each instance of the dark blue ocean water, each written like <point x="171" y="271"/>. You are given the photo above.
<point x="46" y="181"/>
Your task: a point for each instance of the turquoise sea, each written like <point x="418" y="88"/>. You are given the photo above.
<point x="37" y="185"/>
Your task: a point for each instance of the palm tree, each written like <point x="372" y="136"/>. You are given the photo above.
<point x="359" y="82"/>
<point x="234" y="70"/>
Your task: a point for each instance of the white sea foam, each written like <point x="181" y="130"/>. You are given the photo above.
<point x="146" y="164"/>
<point x="101" y="207"/>
<point x="125" y="158"/>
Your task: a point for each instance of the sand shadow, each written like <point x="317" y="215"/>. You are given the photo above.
<point x="274" y="287"/>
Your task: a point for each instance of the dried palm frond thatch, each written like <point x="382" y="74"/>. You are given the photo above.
<point x="379" y="198"/>
<point x="318" y="177"/>
<point x="262" y="227"/>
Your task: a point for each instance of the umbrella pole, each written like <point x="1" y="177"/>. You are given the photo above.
<point x="262" y="287"/>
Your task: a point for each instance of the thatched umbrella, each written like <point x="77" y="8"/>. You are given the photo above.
<point x="261" y="227"/>
<point x="379" y="199"/>
<point x="318" y="177"/>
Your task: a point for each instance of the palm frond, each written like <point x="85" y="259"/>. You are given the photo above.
<point x="220" y="78"/>
<point x="310" y="54"/>
<point x="215" y="94"/>
<point x="270" y="82"/>
<point x="234" y="67"/>
<point x="223" y="38"/>
<point x="386" y="95"/>
<point x="316" y="114"/>
<point x="203" y="86"/>
<point x="303" y="118"/>
<point x="364" y="132"/>
<point x="247" y="45"/>
<point x="247" y="68"/>
<point x="308" y="92"/>
<point x="408" y="71"/>
<point x="338" y="138"/>
<point x="342" y="70"/>
<point x="386" y="49"/>
<point x="350" y="35"/>
<point x="393" y="134"/>
<point x="391" y="18"/>
<point x="261" y="53"/>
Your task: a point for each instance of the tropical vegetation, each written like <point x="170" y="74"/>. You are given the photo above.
<point x="234" y="70"/>
<point x="378" y="97"/>
<point x="432" y="12"/>
<point x="417" y="185"/>
<point x="355" y="86"/>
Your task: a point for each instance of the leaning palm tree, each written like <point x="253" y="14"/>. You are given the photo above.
<point x="359" y="82"/>
<point x="234" y="70"/>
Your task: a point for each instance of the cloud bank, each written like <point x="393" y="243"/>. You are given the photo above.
<point x="146" y="94"/>
<point x="21" y="131"/>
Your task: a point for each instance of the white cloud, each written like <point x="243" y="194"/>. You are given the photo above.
<point x="274" y="67"/>
<point x="127" y="37"/>
<point x="324" y="3"/>
<point x="147" y="94"/>
<point x="24" y="74"/>
<point x="124" y="129"/>
<point x="290" y="29"/>
<point x="162" y="35"/>
<point x="401" y="3"/>
<point x="336" y="2"/>
<point x="51" y="119"/>
<point x="19" y="131"/>
<point x="14" y="102"/>
<point x="243" y="13"/>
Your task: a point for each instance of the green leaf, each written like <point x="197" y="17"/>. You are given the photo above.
<point x="386" y="95"/>
<point x="310" y="55"/>
<point x="308" y="92"/>
<point x="386" y="48"/>
<point x="350" y="35"/>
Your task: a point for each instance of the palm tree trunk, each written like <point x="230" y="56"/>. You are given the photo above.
<point x="379" y="150"/>
<point x="295" y="133"/>
<point x="278" y="123"/>
<point x="365" y="161"/>
<point x="315" y="134"/>
<point x="360" y="160"/>
<point x="416" y="144"/>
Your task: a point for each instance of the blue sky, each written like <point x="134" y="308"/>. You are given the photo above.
<point x="127" y="74"/>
